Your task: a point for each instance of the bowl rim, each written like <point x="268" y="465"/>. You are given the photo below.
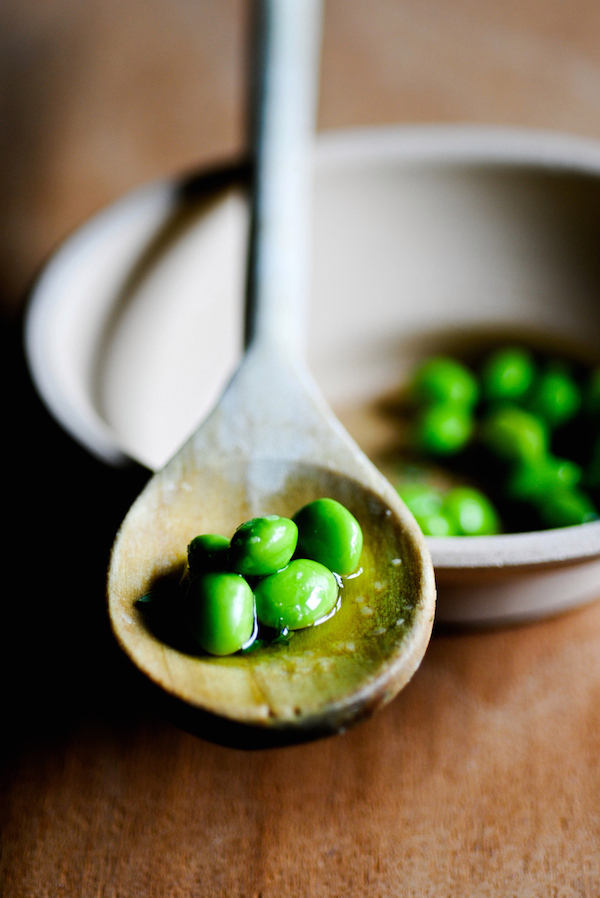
<point x="426" y="144"/>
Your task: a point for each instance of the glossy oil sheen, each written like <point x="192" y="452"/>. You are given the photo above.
<point x="330" y="534"/>
<point x="376" y="613"/>
<point x="220" y="612"/>
<point x="263" y="545"/>
<point x="298" y="596"/>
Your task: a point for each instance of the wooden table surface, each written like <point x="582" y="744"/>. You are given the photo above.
<point x="482" y="778"/>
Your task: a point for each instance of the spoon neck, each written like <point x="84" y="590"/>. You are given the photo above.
<point x="283" y="127"/>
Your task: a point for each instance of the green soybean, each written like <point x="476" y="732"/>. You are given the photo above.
<point x="555" y="396"/>
<point x="514" y="434"/>
<point x="207" y="552"/>
<point x="566" y="508"/>
<point x="330" y="534"/>
<point x="443" y="428"/>
<point x="472" y="512"/>
<point x="507" y="373"/>
<point x="533" y="478"/>
<point x="262" y="546"/>
<point x="298" y="596"/>
<point x="438" y="523"/>
<point x="446" y="380"/>
<point x="508" y="426"/>
<point x="420" y="498"/>
<point x="220" y="612"/>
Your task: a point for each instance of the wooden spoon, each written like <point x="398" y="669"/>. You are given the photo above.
<point x="271" y="445"/>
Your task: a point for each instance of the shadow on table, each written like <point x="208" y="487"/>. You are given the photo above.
<point x="62" y="510"/>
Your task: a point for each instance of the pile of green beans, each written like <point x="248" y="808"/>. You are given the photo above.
<point x="274" y="576"/>
<point x="520" y="431"/>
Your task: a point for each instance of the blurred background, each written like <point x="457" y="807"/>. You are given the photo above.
<point x="102" y="95"/>
<point x="96" y="98"/>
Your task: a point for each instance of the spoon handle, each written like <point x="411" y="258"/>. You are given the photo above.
<point x="284" y="116"/>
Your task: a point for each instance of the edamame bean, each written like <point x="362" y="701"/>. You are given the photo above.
<point x="425" y="503"/>
<point x="207" y="552"/>
<point x="219" y="609"/>
<point x="507" y="373"/>
<point x="297" y="596"/>
<point x="555" y="396"/>
<point x="472" y="512"/>
<point x="514" y="434"/>
<point x="443" y="429"/>
<point x="437" y="523"/>
<point x="420" y="498"/>
<point x="446" y="380"/>
<point x="330" y="534"/>
<point x="262" y="546"/>
<point x="532" y="478"/>
<point x="527" y="399"/>
<point x="566" y="508"/>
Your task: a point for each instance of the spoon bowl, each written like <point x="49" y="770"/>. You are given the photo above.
<point x="249" y="460"/>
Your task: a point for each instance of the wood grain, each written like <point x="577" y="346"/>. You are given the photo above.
<point x="482" y="778"/>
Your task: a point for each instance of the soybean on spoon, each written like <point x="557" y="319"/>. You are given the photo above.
<point x="270" y="445"/>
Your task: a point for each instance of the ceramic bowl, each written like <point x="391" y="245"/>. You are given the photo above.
<point x="423" y="237"/>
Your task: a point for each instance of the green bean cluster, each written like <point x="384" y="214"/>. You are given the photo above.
<point x="522" y="428"/>
<point x="276" y="575"/>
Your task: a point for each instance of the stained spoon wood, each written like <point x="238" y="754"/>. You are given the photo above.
<point x="271" y="445"/>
